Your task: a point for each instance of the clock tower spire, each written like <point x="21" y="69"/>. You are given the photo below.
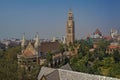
<point x="70" y="31"/>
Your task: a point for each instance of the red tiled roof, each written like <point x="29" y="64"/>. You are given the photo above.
<point x="107" y="37"/>
<point x="113" y="47"/>
<point x="29" y="51"/>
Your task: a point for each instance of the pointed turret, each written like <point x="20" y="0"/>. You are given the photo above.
<point x="23" y="42"/>
<point x="37" y="43"/>
<point x="70" y="15"/>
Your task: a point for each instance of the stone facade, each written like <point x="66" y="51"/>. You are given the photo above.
<point x="30" y="53"/>
<point x="70" y="31"/>
<point x="36" y="51"/>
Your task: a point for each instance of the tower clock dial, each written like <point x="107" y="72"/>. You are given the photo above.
<point x="69" y="24"/>
<point x="70" y="29"/>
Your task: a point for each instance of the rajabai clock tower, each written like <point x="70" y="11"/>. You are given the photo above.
<point x="70" y="29"/>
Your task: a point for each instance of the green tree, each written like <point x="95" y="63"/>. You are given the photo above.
<point x="116" y="56"/>
<point x="115" y="70"/>
<point x="48" y="58"/>
<point x="103" y="44"/>
<point x="62" y="48"/>
<point x="1" y="53"/>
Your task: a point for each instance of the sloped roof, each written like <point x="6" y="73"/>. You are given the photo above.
<point x="114" y="46"/>
<point x="49" y="46"/>
<point x="60" y="74"/>
<point x="29" y="51"/>
<point x="53" y="75"/>
<point x="66" y="67"/>
<point x="45" y="71"/>
<point x="108" y="37"/>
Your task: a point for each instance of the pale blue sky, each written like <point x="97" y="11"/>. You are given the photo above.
<point x="48" y="17"/>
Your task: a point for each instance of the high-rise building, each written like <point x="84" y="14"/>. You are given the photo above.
<point x="70" y="31"/>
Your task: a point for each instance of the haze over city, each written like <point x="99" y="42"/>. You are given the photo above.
<point x="59" y="39"/>
<point x="48" y="17"/>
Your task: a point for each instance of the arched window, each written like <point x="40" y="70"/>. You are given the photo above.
<point x="69" y="31"/>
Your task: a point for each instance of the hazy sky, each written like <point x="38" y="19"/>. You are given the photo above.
<point x="48" y="17"/>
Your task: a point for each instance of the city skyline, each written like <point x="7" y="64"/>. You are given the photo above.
<point x="48" y="18"/>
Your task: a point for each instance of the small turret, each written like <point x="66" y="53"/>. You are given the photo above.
<point x="37" y="43"/>
<point x="23" y="42"/>
<point x="70" y="15"/>
<point x="36" y="46"/>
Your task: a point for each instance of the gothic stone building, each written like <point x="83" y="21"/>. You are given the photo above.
<point x="35" y="52"/>
<point x="29" y="52"/>
<point x="70" y="31"/>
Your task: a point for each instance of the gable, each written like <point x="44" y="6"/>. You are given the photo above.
<point x="43" y="78"/>
<point x="29" y="51"/>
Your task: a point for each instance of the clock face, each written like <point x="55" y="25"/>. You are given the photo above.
<point x="69" y="24"/>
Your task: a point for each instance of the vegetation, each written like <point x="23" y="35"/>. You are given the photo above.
<point x="8" y="64"/>
<point x="48" y="59"/>
<point x="9" y="69"/>
<point x="32" y="74"/>
<point x="96" y="62"/>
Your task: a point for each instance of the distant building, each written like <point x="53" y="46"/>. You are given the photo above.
<point x="114" y="33"/>
<point x="30" y="53"/>
<point x="97" y="34"/>
<point x="2" y="46"/>
<point x="70" y="31"/>
<point x="54" y="39"/>
<point x="36" y="51"/>
<point x="10" y="43"/>
<point x="108" y="38"/>
<point x="63" y="39"/>
<point x="119" y="38"/>
<point x="113" y="46"/>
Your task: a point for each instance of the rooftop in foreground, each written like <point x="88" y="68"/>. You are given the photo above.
<point x="60" y="74"/>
